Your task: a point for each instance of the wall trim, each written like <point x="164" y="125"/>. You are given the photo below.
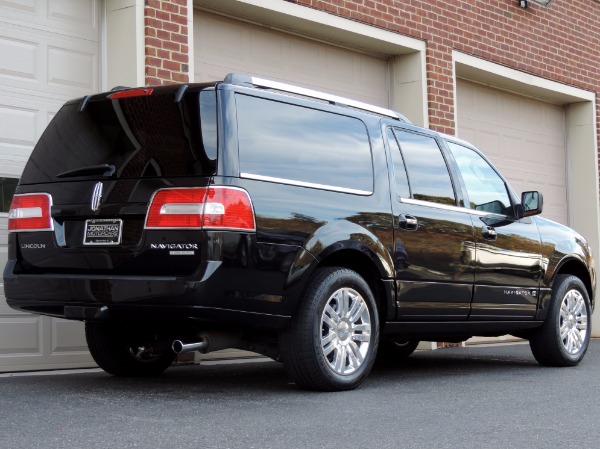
<point x="500" y="76"/>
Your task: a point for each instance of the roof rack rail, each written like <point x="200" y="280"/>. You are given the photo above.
<point x="253" y="81"/>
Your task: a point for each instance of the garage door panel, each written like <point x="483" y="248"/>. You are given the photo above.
<point x="75" y="18"/>
<point x="267" y="52"/>
<point x="67" y="337"/>
<point x="308" y="51"/>
<point x="47" y="64"/>
<point x="523" y="137"/>
<point x="73" y="13"/>
<point x="18" y="125"/>
<point x="20" y="334"/>
<point x="223" y="45"/>
<point x="29" y="6"/>
<point x="17" y="58"/>
<point x="23" y="118"/>
<point x="71" y="69"/>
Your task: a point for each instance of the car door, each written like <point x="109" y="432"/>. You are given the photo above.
<point x="508" y="260"/>
<point x="433" y="238"/>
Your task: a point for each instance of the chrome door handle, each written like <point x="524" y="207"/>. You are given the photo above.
<point x="408" y="222"/>
<point x="489" y="233"/>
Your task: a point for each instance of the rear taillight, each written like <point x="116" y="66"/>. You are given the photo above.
<point x="30" y="212"/>
<point x="201" y="208"/>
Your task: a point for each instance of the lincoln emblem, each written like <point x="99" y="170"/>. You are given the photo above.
<point x="96" y="197"/>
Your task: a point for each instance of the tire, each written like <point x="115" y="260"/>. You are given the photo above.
<point x="564" y="337"/>
<point x="390" y="349"/>
<point x="115" y="351"/>
<point x="332" y="339"/>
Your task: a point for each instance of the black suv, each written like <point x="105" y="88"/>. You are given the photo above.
<point x="313" y="229"/>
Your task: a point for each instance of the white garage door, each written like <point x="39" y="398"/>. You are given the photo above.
<point x="49" y="53"/>
<point x="224" y="45"/>
<point x="524" y="138"/>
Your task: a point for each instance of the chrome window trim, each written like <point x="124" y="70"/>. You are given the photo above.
<point x="448" y="207"/>
<point x="310" y="185"/>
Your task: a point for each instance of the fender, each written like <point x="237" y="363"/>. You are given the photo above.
<point x="343" y="234"/>
<point x="336" y="236"/>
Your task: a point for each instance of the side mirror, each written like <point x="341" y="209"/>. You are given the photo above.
<point x="532" y="203"/>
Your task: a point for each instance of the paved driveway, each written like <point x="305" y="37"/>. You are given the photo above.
<point x="474" y="397"/>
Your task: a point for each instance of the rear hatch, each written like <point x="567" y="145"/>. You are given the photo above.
<point x="100" y="162"/>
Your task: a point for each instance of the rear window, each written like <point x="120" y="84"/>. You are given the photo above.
<point x="281" y="142"/>
<point x="145" y="136"/>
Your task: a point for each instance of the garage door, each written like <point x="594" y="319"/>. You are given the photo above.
<point x="49" y="52"/>
<point x="525" y="138"/>
<point x="224" y="45"/>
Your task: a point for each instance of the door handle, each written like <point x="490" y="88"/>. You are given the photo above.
<point x="408" y="222"/>
<point x="489" y="233"/>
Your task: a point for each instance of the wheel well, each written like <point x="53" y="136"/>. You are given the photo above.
<point x="576" y="268"/>
<point x="357" y="261"/>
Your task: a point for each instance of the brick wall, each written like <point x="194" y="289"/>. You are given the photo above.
<point x="166" y="34"/>
<point x="560" y="42"/>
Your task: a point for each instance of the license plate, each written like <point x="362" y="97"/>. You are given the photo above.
<point x="103" y="231"/>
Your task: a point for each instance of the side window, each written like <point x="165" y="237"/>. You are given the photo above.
<point x="402" y="188"/>
<point x="427" y="170"/>
<point x="292" y="144"/>
<point x="486" y="190"/>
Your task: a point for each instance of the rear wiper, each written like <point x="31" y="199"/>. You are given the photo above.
<point x="101" y="170"/>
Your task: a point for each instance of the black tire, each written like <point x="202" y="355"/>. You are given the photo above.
<point x="320" y="353"/>
<point x="564" y="337"/>
<point x="392" y="349"/>
<point x="120" y="353"/>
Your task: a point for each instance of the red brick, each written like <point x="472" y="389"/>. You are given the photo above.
<point x="181" y="38"/>
<point x="174" y="66"/>
<point x="171" y="26"/>
<point x="180" y="57"/>
<point x="169" y="45"/>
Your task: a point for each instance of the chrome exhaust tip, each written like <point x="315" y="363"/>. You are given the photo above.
<point x="179" y="347"/>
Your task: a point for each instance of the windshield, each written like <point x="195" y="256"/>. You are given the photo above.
<point x="135" y="137"/>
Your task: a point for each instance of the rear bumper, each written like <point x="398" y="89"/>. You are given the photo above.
<point x="101" y="297"/>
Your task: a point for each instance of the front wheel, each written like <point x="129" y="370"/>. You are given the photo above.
<point x="564" y="337"/>
<point x="123" y="353"/>
<point x="332" y="339"/>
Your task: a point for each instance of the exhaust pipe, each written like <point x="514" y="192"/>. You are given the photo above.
<point x="180" y="347"/>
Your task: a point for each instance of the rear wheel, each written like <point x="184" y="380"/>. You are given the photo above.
<point x="125" y="353"/>
<point x="332" y="340"/>
<point x="564" y="337"/>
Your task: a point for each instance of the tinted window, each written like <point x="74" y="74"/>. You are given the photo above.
<point x="427" y="171"/>
<point x="208" y="122"/>
<point x="298" y="144"/>
<point x="402" y="189"/>
<point x="486" y="190"/>
<point x="147" y="136"/>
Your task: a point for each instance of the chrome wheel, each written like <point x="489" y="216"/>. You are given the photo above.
<point x="573" y="322"/>
<point x="563" y="338"/>
<point x="345" y="331"/>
